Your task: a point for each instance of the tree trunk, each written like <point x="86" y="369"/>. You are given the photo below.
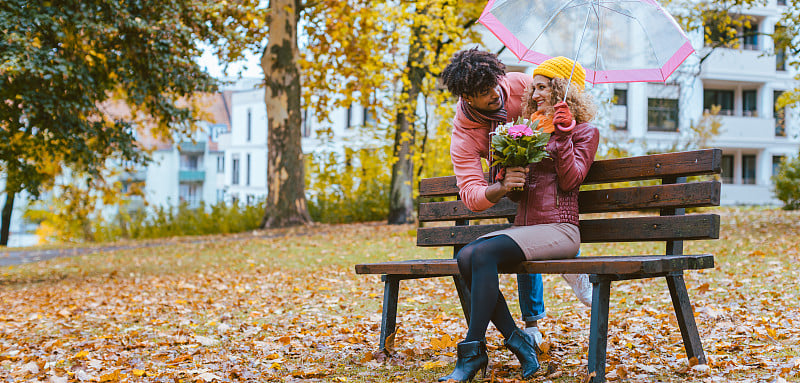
<point x="5" y="226"/>
<point x="401" y="199"/>
<point x="286" y="203"/>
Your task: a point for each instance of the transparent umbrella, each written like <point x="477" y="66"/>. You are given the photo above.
<point x="614" y="40"/>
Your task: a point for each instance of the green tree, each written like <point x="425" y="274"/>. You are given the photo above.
<point x="787" y="183"/>
<point x="61" y="62"/>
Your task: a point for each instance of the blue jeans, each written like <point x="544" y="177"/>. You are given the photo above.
<point x="531" y="296"/>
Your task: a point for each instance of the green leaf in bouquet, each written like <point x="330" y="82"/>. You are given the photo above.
<point x="539" y="156"/>
<point x="543" y="138"/>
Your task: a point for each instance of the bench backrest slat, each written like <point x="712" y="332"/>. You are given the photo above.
<point x="698" y="162"/>
<point x="695" y="194"/>
<point x="652" y="228"/>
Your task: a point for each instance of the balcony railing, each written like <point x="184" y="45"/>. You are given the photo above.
<point x="739" y="61"/>
<point x="191" y="176"/>
<point x="189" y="147"/>
<point x="747" y="128"/>
<point x="135" y="176"/>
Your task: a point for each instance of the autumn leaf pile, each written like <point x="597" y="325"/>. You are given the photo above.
<point x="286" y="306"/>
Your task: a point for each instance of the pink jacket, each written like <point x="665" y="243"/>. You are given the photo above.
<point x="470" y="142"/>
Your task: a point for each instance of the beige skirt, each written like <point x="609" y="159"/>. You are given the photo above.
<point x="545" y="241"/>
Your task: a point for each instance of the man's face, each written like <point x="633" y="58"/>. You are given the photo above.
<point x="487" y="100"/>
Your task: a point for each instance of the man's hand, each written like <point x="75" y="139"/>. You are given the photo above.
<point x="514" y="177"/>
<point x="562" y="118"/>
<point x="508" y="178"/>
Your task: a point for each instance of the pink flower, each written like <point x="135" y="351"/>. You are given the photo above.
<point x="520" y="130"/>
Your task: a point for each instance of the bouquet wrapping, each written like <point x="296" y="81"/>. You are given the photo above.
<point x="518" y="144"/>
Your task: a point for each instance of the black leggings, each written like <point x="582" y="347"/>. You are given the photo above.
<point x="478" y="263"/>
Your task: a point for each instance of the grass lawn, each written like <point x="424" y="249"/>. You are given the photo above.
<point x="286" y="305"/>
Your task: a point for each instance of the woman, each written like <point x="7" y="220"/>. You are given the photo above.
<point x="546" y="224"/>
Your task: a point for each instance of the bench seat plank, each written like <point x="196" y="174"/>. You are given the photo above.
<point x="615" y="265"/>
<point x="632" y="229"/>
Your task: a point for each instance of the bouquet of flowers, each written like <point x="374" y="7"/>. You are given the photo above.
<point x="518" y="144"/>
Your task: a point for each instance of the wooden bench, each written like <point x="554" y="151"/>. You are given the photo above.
<point x="669" y="224"/>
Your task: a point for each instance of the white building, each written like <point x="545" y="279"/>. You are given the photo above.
<point x="245" y="145"/>
<point x="745" y="83"/>
<point x="184" y="169"/>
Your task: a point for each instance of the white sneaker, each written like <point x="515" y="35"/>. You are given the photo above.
<point x="581" y="286"/>
<point x="536" y="334"/>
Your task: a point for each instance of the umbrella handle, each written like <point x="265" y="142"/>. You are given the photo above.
<point x="575" y="61"/>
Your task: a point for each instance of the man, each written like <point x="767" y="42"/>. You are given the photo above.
<point x="489" y="97"/>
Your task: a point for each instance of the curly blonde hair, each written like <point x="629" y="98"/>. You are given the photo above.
<point x="580" y="103"/>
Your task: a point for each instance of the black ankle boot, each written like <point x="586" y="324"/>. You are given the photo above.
<point x="524" y="347"/>
<point x="471" y="358"/>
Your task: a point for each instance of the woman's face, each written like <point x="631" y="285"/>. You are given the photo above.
<point x="541" y="92"/>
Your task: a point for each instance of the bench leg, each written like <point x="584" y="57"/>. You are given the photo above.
<point x="391" y="289"/>
<point x="598" y="330"/>
<point x="463" y="295"/>
<point x="683" y="310"/>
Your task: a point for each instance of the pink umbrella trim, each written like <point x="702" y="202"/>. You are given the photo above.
<point x="502" y="33"/>
<point x="595" y="77"/>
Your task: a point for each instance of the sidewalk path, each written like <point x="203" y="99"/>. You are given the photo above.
<point x="19" y="257"/>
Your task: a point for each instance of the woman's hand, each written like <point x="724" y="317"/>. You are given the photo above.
<point x="513" y="177"/>
<point x="562" y="118"/>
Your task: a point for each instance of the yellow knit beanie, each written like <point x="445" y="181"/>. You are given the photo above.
<point x="561" y="67"/>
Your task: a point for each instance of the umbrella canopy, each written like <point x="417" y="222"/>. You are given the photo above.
<point x="614" y="40"/>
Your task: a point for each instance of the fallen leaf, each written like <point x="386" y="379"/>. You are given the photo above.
<point x="205" y="341"/>
<point x="208" y="377"/>
<point x="433" y="364"/>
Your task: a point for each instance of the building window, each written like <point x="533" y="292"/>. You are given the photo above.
<point x="221" y="164"/>
<point x="749" y="169"/>
<point x="619" y="111"/>
<point x="220" y="195"/>
<point x="247" y="171"/>
<point x="249" y="125"/>
<point x="776" y="164"/>
<point x="750" y="37"/>
<point x="349" y="117"/>
<point x="216" y="130"/>
<point x="779" y="115"/>
<point x="189" y="162"/>
<point x="235" y="171"/>
<point x="721" y="98"/>
<point x="749" y="101"/>
<point x="662" y="115"/>
<point x="727" y="169"/>
<point x="306" y="124"/>
<point x="780" y="60"/>
<point x="369" y="120"/>
<point x="190" y="194"/>
<point x="781" y="2"/>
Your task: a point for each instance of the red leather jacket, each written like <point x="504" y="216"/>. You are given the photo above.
<point x="551" y="192"/>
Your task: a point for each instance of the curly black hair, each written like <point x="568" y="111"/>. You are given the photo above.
<point x="471" y="72"/>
